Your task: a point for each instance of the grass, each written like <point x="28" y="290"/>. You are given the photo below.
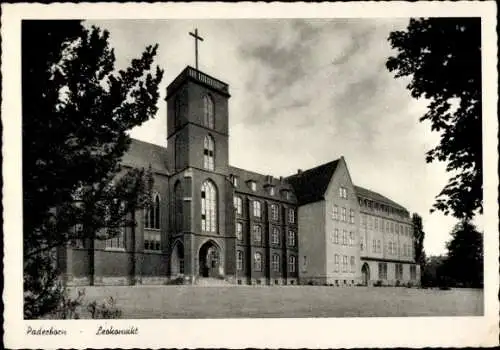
<point x="288" y="301"/>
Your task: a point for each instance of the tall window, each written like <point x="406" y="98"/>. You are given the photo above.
<point x="375" y="224"/>
<point x="337" y="263"/>
<point x="351" y="216"/>
<point x="399" y="271"/>
<point x="292" y="261"/>
<point x="374" y="248"/>
<point x="291" y="238"/>
<point x="276" y="263"/>
<point x="378" y="246"/>
<point x="239" y="231"/>
<point x="362" y="243"/>
<point x="335" y="212"/>
<point x="179" y="203"/>
<point x="336" y="236"/>
<point x="344" y="215"/>
<point x="239" y="260"/>
<point x="351" y="238"/>
<point x="291" y="215"/>
<point x="343" y="192"/>
<point x="208" y="111"/>
<point x="152" y="214"/>
<point x="238" y="205"/>
<point x="257" y="233"/>
<point x="256" y="209"/>
<point x="275" y="236"/>
<point x="382" y="271"/>
<point x="208" y="153"/>
<point x="208" y="207"/>
<point x="257" y="261"/>
<point x="353" y="264"/>
<point x="344" y="237"/>
<point x="274" y="212"/>
<point x="363" y="220"/>
<point x="344" y="263"/>
<point x="413" y="272"/>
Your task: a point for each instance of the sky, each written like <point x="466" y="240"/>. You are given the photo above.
<point x="304" y="92"/>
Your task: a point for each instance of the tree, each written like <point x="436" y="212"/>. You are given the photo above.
<point x="443" y="58"/>
<point x="432" y="273"/>
<point x="464" y="263"/>
<point x="76" y="114"/>
<point x="418" y="240"/>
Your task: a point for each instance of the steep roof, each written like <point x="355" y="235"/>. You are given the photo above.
<point x="366" y="193"/>
<point x="311" y="185"/>
<point x="141" y="154"/>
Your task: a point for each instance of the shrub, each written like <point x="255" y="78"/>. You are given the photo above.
<point x="106" y="310"/>
<point x="378" y="283"/>
<point x="176" y="281"/>
<point x="398" y="283"/>
<point x="68" y="307"/>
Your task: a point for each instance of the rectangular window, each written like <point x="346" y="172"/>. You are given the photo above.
<point x="256" y="209"/>
<point x="336" y="261"/>
<point x="291" y="238"/>
<point x="239" y="260"/>
<point x="291" y="215"/>
<point x="353" y="264"/>
<point x="399" y="271"/>
<point x="381" y="225"/>
<point x="413" y="272"/>
<point x="274" y="212"/>
<point x="387" y="226"/>
<point x="257" y="261"/>
<point x="336" y="236"/>
<point x="239" y="231"/>
<point x="362" y="243"/>
<point x="152" y="241"/>
<point x="392" y="227"/>
<point x="351" y="216"/>
<point x="344" y="237"/>
<point x="335" y="212"/>
<point x="238" y="205"/>
<point x="343" y="192"/>
<point x="291" y="263"/>
<point x="382" y="271"/>
<point x="276" y="263"/>
<point x="344" y="263"/>
<point x="117" y="242"/>
<point x="379" y="249"/>
<point x="304" y="264"/>
<point x="344" y="215"/>
<point x="257" y="233"/>
<point x="375" y="222"/>
<point x="363" y="220"/>
<point x="397" y="228"/>
<point x="275" y="239"/>
<point x="351" y="238"/>
<point x="374" y="249"/>
<point x="370" y="222"/>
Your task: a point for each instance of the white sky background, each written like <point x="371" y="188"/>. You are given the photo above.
<point x="305" y="92"/>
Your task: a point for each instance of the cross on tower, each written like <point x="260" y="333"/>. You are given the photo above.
<point x="196" y="38"/>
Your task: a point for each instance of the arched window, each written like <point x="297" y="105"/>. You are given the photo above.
<point x="178" y="215"/>
<point x="208" y="112"/>
<point x="208" y="153"/>
<point x="257" y="261"/>
<point x="291" y="263"/>
<point x="208" y="207"/>
<point x="152" y="214"/>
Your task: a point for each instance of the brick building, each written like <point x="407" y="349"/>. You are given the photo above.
<point x="211" y="221"/>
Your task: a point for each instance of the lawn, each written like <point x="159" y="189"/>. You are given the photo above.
<point x="287" y="301"/>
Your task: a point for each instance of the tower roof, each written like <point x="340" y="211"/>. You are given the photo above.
<point x="191" y="74"/>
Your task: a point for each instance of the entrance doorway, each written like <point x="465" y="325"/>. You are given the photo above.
<point x="209" y="258"/>
<point x="177" y="260"/>
<point x="365" y="272"/>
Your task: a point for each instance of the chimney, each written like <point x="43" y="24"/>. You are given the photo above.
<point x="281" y="178"/>
<point x="299" y="171"/>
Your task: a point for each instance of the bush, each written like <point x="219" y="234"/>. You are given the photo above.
<point x="378" y="283"/>
<point x="106" y="310"/>
<point x="398" y="283"/>
<point x="176" y="281"/>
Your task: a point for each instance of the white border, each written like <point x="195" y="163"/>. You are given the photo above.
<point x="238" y="333"/>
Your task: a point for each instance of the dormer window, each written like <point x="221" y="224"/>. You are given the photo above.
<point x="234" y="180"/>
<point x="271" y="190"/>
<point x="253" y="185"/>
<point x="286" y="194"/>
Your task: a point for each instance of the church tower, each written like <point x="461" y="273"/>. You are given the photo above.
<point x="197" y="129"/>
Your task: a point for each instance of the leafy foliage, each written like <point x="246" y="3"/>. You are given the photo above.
<point x="443" y="58"/>
<point x="464" y="263"/>
<point x="77" y="112"/>
<point x="418" y="239"/>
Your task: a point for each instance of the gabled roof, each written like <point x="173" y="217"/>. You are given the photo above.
<point x="142" y="154"/>
<point x="366" y="193"/>
<point x="311" y="185"/>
